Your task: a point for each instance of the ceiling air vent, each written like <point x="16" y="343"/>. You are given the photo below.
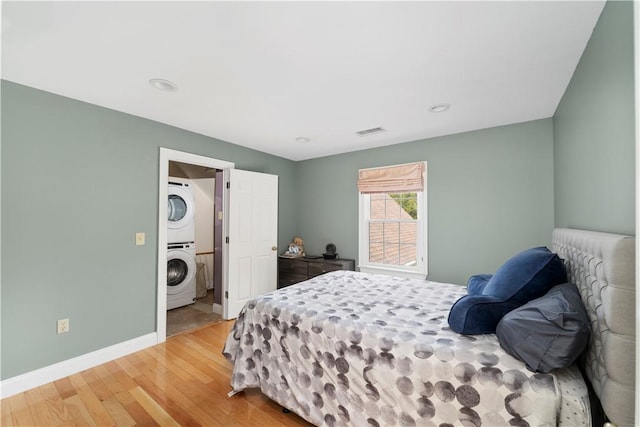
<point x="371" y="131"/>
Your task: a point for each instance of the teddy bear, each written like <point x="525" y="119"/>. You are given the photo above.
<point x="296" y="247"/>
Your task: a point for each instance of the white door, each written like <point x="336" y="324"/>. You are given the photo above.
<point x="252" y="221"/>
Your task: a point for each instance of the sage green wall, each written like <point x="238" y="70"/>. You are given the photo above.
<point x="77" y="182"/>
<point x="490" y="194"/>
<point x="594" y="132"/>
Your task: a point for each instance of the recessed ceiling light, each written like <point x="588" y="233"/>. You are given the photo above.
<point x="163" y="85"/>
<point x="439" y="108"/>
<point x="302" y="139"/>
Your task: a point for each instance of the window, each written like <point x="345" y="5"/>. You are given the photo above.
<point x="393" y="220"/>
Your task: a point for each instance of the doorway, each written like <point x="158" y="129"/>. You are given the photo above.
<point x="202" y="301"/>
<point x="193" y="167"/>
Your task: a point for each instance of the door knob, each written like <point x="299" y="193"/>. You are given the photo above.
<point x="274" y="248"/>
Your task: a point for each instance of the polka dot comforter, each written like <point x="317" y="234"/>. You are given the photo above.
<point x="349" y="348"/>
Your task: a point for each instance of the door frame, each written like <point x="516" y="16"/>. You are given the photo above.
<point x="167" y="155"/>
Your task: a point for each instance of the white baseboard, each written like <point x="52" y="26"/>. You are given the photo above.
<point x="217" y="308"/>
<point x="54" y="372"/>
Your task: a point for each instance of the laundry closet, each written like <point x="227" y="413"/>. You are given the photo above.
<point x="194" y="246"/>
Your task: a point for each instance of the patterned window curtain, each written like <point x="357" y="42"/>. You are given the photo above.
<point x="392" y="179"/>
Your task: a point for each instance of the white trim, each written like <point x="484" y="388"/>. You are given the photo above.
<point x="29" y="380"/>
<point x="391" y="166"/>
<point x="391" y="272"/>
<point x="226" y="179"/>
<point x="217" y="308"/>
<point x="167" y="155"/>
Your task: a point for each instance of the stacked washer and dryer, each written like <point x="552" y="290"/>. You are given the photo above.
<point x="181" y="249"/>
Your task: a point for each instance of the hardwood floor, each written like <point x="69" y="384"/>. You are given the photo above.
<point x="183" y="382"/>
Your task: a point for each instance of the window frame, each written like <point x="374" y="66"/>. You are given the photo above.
<point x="420" y="270"/>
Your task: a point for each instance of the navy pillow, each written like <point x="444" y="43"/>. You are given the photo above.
<point x="476" y="283"/>
<point x="526" y="276"/>
<point x="549" y="332"/>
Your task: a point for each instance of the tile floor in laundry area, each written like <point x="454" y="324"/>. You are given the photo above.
<point x="192" y="316"/>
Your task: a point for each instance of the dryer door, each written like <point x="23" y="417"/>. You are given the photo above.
<point x="180" y="207"/>
<point x="181" y="270"/>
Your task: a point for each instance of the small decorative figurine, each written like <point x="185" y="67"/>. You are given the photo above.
<point x="296" y="248"/>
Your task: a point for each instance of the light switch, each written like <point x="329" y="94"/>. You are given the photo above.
<point x="220" y="215"/>
<point x="139" y="239"/>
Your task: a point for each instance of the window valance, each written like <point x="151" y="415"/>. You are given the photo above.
<point x="392" y="179"/>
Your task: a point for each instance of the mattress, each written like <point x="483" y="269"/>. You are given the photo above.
<point x="349" y="348"/>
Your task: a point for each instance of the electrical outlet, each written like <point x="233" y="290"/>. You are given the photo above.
<point x="63" y="326"/>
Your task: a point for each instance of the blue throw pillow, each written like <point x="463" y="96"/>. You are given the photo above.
<point x="476" y="283"/>
<point x="526" y="276"/>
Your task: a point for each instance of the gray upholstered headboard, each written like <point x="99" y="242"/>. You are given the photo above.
<point x="602" y="265"/>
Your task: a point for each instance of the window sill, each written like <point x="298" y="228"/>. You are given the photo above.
<point x="393" y="272"/>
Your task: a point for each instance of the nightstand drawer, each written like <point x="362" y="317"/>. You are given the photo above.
<point x="289" y="279"/>
<point x="318" y="268"/>
<point x="292" y="267"/>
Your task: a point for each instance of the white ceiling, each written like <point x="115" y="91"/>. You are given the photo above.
<point x="261" y="74"/>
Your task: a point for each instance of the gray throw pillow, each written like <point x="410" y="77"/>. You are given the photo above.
<point x="549" y="332"/>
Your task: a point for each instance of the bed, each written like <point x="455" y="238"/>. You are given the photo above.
<point x="349" y="348"/>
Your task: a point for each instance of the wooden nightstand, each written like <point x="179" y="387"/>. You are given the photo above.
<point x="294" y="270"/>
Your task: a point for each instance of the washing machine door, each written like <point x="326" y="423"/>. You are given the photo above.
<point x="181" y="270"/>
<point x="180" y="206"/>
